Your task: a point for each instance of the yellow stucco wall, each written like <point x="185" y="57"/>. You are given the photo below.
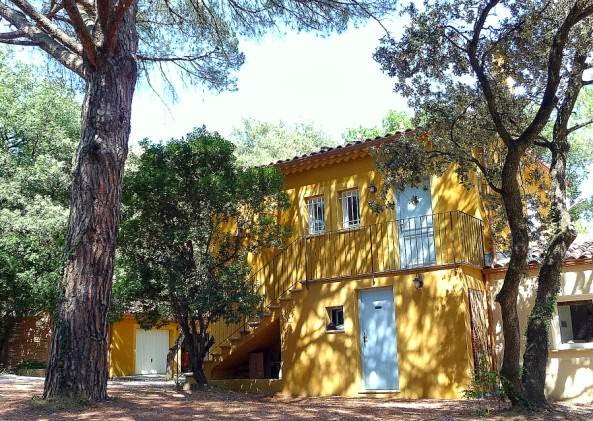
<point x="433" y="325"/>
<point x="569" y="373"/>
<point x="122" y="345"/>
<point x="446" y="191"/>
<point x="433" y="336"/>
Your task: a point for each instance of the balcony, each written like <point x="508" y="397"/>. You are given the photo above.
<point x="419" y="243"/>
<point x="414" y="243"/>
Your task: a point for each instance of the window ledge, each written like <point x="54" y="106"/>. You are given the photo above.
<point x="354" y="228"/>
<point x="335" y="331"/>
<point x="317" y="234"/>
<point x="577" y="345"/>
<point x="378" y="391"/>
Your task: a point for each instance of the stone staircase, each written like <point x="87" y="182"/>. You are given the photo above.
<point x="250" y="333"/>
<point x="279" y="282"/>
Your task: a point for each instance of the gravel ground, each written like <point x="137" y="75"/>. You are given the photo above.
<point x="157" y="400"/>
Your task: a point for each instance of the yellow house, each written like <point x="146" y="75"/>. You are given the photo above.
<point x="358" y="302"/>
<point x="569" y="373"/>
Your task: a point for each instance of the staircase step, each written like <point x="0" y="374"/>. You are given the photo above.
<point x="285" y="298"/>
<point x="274" y="306"/>
<point x="296" y="290"/>
<point x="265" y="314"/>
<point x="235" y="338"/>
<point x="253" y="323"/>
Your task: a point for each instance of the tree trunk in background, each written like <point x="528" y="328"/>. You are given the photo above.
<point x="6" y="326"/>
<point x="563" y="233"/>
<point x="507" y="297"/>
<point x="77" y="367"/>
<point x="198" y="342"/>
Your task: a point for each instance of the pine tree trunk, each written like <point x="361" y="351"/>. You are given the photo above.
<point x="77" y="367"/>
<point x="507" y="297"/>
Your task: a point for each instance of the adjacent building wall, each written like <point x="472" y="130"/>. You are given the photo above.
<point x="122" y="345"/>
<point x="569" y="374"/>
<point x="28" y="341"/>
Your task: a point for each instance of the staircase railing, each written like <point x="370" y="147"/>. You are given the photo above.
<point x="411" y="243"/>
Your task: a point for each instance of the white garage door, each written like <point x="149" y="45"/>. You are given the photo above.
<point x="151" y="351"/>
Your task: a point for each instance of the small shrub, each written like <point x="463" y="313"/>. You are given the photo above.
<point x="486" y="383"/>
<point x="31" y="365"/>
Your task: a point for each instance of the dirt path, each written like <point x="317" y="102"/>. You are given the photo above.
<point x="160" y="400"/>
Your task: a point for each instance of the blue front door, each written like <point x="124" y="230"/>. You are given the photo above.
<point x="378" y="339"/>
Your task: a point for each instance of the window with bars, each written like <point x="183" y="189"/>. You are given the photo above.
<point x="316" y="210"/>
<point x="350" y="209"/>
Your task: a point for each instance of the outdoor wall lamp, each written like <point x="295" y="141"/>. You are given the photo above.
<point x="418" y="281"/>
<point x="373" y="188"/>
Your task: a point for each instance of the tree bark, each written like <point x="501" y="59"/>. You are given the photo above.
<point x="563" y="234"/>
<point x="77" y="367"/>
<point x="507" y="297"/>
<point x="198" y="341"/>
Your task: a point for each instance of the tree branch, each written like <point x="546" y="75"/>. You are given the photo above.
<point x="12" y="35"/>
<point x="48" y="26"/>
<point x="175" y="58"/>
<point x="549" y="98"/>
<point x="103" y="8"/>
<point x="88" y="6"/>
<point x="21" y="42"/>
<point x="587" y="82"/>
<point x="579" y="126"/>
<point x="113" y="23"/>
<point x="481" y="73"/>
<point x="81" y="30"/>
<point x="50" y="45"/>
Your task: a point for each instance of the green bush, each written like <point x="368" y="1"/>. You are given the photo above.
<point x="486" y="383"/>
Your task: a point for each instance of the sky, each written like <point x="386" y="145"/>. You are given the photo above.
<point x="332" y="82"/>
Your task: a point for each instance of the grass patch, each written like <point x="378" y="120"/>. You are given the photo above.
<point x="60" y="404"/>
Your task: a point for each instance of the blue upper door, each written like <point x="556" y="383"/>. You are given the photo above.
<point x="378" y="339"/>
<point x="415" y="225"/>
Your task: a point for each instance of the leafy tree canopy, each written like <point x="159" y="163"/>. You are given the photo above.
<point x="432" y="67"/>
<point x="394" y="121"/>
<point x="261" y="143"/>
<point x="39" y="129"/>
<point x="494" y="80"/>
<point x="191" y="217"/>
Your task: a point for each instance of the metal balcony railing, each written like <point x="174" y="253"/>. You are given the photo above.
<point x="413" y="243"/>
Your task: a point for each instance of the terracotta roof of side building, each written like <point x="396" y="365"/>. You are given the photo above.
<point x="581" y="250"/>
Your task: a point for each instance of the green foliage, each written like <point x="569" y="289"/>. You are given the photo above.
<point x="262" y="143"/>
<point x="485" y="383"/>
<point x="39" y="130"/>
<point x="191" y="216"/>
<point x="200" y="40"/>
<point x="394" y="121"/>
<point x="431" y="67"/>
<point x="31" y="365"/>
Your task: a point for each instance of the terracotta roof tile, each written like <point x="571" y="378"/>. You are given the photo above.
<point x="580" y="249"/>
<point x="326" y="149"/>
